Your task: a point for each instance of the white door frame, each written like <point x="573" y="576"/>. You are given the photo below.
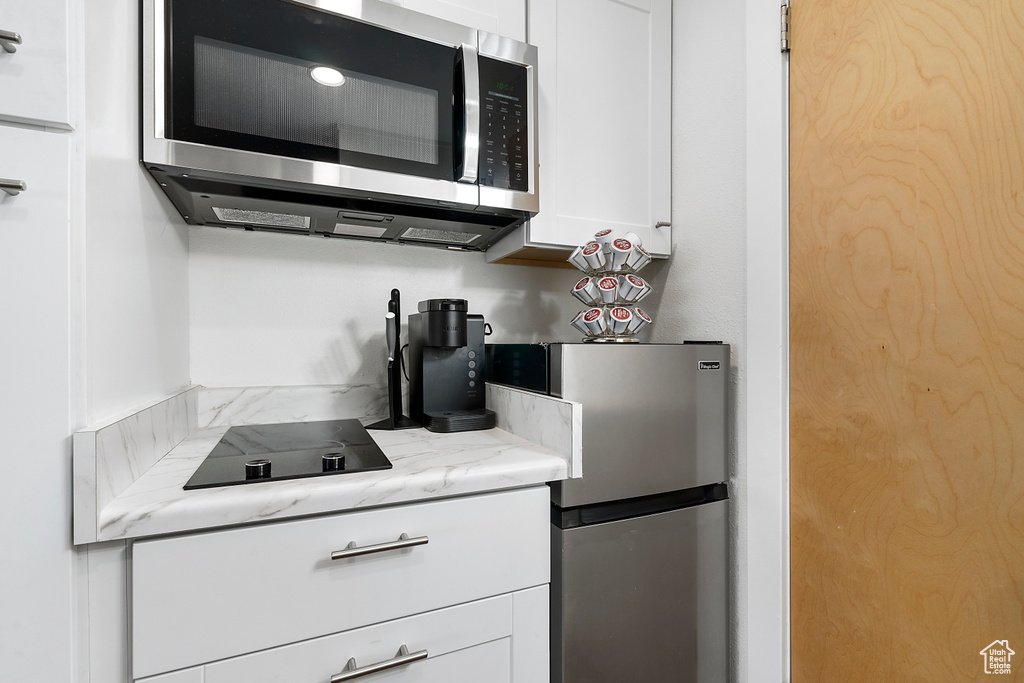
<point x="765" y="427"/>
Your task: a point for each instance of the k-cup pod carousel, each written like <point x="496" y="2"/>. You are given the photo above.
<point x="611" y="288"/>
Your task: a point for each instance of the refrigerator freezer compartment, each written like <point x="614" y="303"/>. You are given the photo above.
<point x="642" y="598"/>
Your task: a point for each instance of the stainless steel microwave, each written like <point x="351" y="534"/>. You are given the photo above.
<point x="344" y="118"/>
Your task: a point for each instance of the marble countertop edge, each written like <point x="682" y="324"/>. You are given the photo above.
<point x="425" y="466"/>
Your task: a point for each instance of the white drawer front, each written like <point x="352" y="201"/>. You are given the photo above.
<point x="480" y="630"/>
<point x="209" y="596"/>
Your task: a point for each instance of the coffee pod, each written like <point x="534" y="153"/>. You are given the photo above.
<point x="593" y="255"/>
<point x="640" y="321"/>
<point x="620" y="319"/>
<point x="638" y="258"/>
<point x="577" y="322"/>
<point x="603" y="237"/>
<point x="634" y="238"/>
<point x="594" y="321"/>
<point x="609" y="288"/>
<point x="587" y="292"/>
<point x="620" y="251"/>
<point x="633" y="288"/>
<point x="577" y="259"/>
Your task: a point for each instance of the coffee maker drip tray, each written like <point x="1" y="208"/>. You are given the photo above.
<point x="291" y="450"/>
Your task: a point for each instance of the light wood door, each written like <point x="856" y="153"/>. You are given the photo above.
<point x="907" y="338"/>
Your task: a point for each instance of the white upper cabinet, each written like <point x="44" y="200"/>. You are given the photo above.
<point x="504" y="17"/>
<point x="34" y="76"/>
<point x="604" y="74"/>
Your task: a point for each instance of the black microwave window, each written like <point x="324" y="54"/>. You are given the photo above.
<point x="352" y="112"/>
<point x="280" y="78"/>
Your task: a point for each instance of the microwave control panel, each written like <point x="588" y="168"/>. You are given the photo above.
<point x="504" y="143"/>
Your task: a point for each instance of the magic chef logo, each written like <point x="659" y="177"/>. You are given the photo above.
<point x="709" y="365"/>
<point x="997" y="657"/>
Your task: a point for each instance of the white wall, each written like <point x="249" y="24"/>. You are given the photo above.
<point x="704" y="286"/>
<point x="270" y="309"/>
<point x="727" y="280"/>
<point x="764" y="565"/>
<point x="136" y="248"/>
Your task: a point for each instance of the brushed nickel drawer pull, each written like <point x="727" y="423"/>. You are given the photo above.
<point x="12" y="187"/>
<point x="401" y="659"/>
<point x="351" y="550"/>
<point x="9" y="40"/>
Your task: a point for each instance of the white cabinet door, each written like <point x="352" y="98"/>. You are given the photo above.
<point x="34" y="78"/>
<point x="504" y="17"/>
<point x="604" y="123"/>
<point x="35" y="489"/>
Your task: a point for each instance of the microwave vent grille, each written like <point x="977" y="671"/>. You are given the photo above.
<point x="434" y="235"/>
<point x="262" y="218"/>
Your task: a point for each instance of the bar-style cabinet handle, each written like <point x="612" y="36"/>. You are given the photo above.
<point x="12" y="187"/>
<point x="401" y="659"/>
<point x="9" y="40"/>
<point x="354" y="551"/>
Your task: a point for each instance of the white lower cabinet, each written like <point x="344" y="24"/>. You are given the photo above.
<point x="457" y="600"/>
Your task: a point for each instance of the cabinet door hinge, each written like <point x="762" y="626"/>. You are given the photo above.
<point x="785" y="29"/>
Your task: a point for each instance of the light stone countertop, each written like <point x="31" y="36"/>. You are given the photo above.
<point x="536" y="441"/>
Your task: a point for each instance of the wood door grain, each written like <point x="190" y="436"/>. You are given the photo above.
<point x="907" y="338"/>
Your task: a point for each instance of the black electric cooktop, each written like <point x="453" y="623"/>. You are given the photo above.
<point x="292" y="450"/>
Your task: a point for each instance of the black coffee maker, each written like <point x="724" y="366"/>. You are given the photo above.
<point x="446" y="367"/>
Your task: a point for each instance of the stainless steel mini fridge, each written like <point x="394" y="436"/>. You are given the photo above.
<point x="640" y="543"/>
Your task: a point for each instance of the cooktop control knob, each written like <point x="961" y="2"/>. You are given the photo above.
<point x="257" y="469"/>
<point x="333" y="462"/>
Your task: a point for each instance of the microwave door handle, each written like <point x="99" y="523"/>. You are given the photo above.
<point x="471" y="114"/>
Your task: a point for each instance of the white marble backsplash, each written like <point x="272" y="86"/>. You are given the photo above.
<point x="547" y="421"/>
<point x="271" y="405"/>
<point x="110" y="457"/>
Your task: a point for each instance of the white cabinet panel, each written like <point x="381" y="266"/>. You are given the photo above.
<point x="604" y="123"/>
<point x="446" y="636"/>
<point x="209" y="596"/>
<point x="193" y="675"/>
<point x="34" y="78"/>
<point x="35" y="490"/>
<point x="531" y="654"/>
<point x="486" y="663"/>
<point x="504" y="17"/>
